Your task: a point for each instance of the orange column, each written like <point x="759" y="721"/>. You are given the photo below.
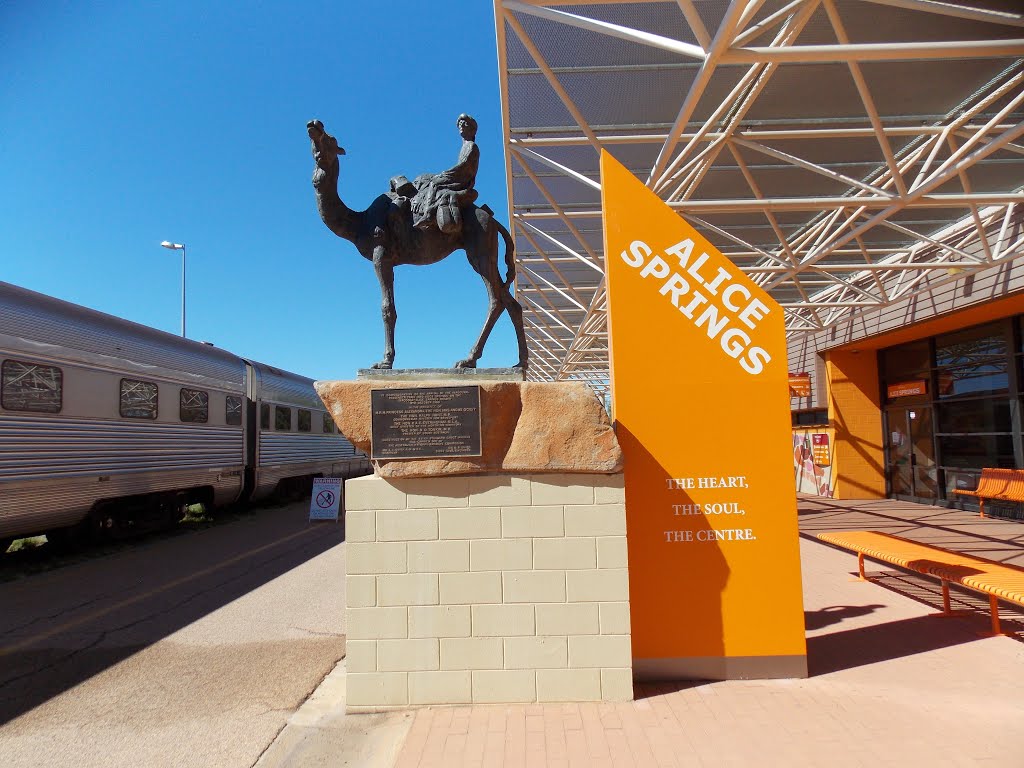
<point x="855" y="411"/>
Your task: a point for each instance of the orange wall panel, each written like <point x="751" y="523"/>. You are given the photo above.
<point x="701" y="403"/>
<point x="856" y="414"/>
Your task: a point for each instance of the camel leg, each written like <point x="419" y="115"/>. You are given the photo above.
<point x="515" y="313"/>
<point x="493" y="313"/>
<point x="386" y="277"/>
<point x="488" y="270"/>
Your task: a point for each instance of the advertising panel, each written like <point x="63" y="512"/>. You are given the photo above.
<point x="701" y="404"/>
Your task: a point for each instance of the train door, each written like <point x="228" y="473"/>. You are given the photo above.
<point x="252" y="432"/>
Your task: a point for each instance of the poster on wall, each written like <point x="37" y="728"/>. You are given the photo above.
<point x="812" y="463"/>
<point x="701" y="402"/>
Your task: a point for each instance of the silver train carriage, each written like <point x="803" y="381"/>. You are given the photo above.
<point x="115" y="425"/>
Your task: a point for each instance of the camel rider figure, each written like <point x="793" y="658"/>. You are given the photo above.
<point x="439" y="196"/>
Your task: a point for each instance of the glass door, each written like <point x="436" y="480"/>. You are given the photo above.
<point x="911" y="468"/>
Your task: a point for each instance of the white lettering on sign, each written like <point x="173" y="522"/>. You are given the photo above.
<point x="685" y="483"/>
<point x="709" y="535"/>
<point x="713" y="302"/>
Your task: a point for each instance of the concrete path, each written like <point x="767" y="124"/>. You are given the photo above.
<point x="891" y="684"/>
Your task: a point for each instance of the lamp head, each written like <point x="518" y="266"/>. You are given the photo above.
<point x="172" y="246"/>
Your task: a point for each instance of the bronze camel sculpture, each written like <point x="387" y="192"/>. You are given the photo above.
<point x="384" y="234"/>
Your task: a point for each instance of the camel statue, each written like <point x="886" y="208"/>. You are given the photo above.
<point x="384" y="234"/>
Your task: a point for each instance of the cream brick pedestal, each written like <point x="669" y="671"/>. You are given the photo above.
<point x="486" y="589"/>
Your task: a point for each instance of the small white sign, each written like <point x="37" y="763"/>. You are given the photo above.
<point x="326" y="499"/>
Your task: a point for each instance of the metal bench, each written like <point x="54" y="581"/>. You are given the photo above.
<point x="999" y="484"/>
<point x="997" y="580"/>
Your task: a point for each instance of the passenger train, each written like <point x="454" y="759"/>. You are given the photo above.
<point x="111" y="426"/>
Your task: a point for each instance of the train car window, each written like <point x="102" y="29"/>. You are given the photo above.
<point x="265" y="416"/>
<point x="31" y="387"/>
<point x="138" y="399"/>
<point x="282" y="418"/>
<point x="233" y="411"/>
<point x="305" y="421"/>
<point x="328" y="424"/>
<point x="194" y="406"/>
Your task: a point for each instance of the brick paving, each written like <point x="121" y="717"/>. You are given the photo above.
<point x="891" y="683"/>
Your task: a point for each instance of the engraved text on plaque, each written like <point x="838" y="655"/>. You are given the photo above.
<point x="429" y="422"/>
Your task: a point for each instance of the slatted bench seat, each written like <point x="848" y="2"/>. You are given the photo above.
<point x="997" y="580"/>
<point x="999" y="484"/>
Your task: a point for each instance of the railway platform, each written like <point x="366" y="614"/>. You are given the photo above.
<point x="891" y="683"/>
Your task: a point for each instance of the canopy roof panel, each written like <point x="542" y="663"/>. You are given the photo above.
<point x="845" y="154"/>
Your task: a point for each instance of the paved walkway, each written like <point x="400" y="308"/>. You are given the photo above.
<point x="890" y="684"/>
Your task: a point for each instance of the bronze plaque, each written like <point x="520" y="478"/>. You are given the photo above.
<point x="425" y="423"/>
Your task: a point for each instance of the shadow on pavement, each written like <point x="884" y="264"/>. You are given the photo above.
<point x="61" y="627"/>
<point x="834" y="614"/>
<point x="860" y="646"/>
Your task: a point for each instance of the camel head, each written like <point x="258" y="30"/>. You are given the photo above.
<point x="325" y="147"/>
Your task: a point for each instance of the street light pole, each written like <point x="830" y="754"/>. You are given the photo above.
<point x="179" y="247"/>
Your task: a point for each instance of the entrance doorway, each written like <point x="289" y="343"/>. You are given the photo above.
<point x="911" y="469"/>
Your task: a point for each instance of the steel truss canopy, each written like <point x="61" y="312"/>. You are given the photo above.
<point x="845" y="154"/>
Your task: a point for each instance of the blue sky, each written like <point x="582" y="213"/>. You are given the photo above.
<point x="123" y="124"/>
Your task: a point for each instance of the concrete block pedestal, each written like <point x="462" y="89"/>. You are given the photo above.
<point x="487" y="589"/>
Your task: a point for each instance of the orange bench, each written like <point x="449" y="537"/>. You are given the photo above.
<point x="999" y="484"/>
<point x="997" y="580"/>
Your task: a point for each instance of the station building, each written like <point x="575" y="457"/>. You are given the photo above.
<point x="861" y="160"/>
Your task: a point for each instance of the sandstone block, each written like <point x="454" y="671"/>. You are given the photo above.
<point x="438" y="556"/>
<point x="406" y="524"/>
<point x="533" y="586"/>
<point x="507" y="686"/>
<point x="469" y="588"/>
<point x="498" y="491"/>
<point x="502" y="620"/>
<point x="407" y="589"/>
<point x="536" y="653"/>
<point x="360" y="591"/>
<point x="597" y="586"/>
<point x="407" y="655"/>
<point x="376" y="689"/>
<point x="568" y="685"/>
<point x="564" y="554"/>
<point x="471" y="653"/>
<point x="501" y="555"/>
<point x="558" y="427"/>
<point x="568" y="619"/>
<point x="617" y="684"/>
<point x="441" y="687"/>
<point x="440" y="621"/>
<point x="469" y="523"/>
<point x="372" y="493"/>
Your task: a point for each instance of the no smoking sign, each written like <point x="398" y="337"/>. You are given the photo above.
<point x="325" y="502"/>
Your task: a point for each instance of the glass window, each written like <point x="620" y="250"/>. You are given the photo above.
<point x="233" y="411"/>
<point x="976" y="450"/>
<point x="907" y="361"/>
<point x="305" y="420"/>
<point x="138" y="399"/>
<point x="970" y="346"/>
<point x="328" y="424"/>
<point x="970" y="416"/>
<point x="991" y="376"/>
<point x="194" y="406"/>
<point x="31" y="387"/>
<point x="282" y="418"/>
<point x="264" y="416"/>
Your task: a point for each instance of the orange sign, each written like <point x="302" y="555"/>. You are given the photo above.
<point x="701" y="405"/>
<point x="908" y="388"/>
<point x="799" y="385"/>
